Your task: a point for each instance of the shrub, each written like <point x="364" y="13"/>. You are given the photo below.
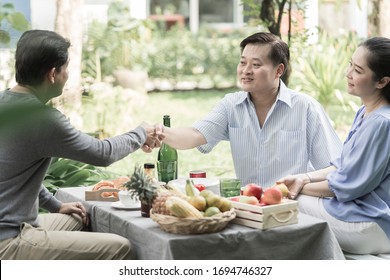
<point x="70" y="173"/>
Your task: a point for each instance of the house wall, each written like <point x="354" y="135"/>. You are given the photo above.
<point x="344" y="16"/>
<point x="330" y="16"/>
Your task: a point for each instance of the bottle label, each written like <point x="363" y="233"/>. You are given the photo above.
<point x="197" y="174"/>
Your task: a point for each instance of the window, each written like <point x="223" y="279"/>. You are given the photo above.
<point x="216" y="11"/>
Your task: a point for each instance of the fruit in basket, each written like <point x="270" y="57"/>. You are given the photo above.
<point x="205" y="193"/>
<point x="271" y="196"/>
<point x="226" y="204"/>
<point x="283" y="188"/>
<point x="211" y="211"/>
<point x="199" y="202"/>
<point x="253" y="190"/>
<point x="190" y="188"/>
<point x="182" y="208"/>
<point x="159" y="205"/>
<point x="214" y="200"/>
<point x="163" y="193"/>
<point x="174" y="190"/>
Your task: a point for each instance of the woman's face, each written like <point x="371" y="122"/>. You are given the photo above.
<point x="360" y="78"/>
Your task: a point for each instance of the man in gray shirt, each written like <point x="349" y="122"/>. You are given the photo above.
<point x="31" y="133"/>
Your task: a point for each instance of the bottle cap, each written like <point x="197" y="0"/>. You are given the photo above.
<point x="148" y="165"/>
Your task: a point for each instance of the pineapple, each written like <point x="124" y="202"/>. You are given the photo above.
<point x="141" y="186"/>
<point x="163" y="194"/>
<point x="147" y="191"/>
<point x="158" y="205"/>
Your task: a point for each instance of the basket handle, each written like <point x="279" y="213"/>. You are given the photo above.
<point x="284" y="220"/>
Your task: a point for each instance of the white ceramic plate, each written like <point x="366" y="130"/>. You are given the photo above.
<point x="119" y="205"/>
<point x="211" y="184"/>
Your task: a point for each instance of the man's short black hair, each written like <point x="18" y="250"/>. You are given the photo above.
<point x="37" y="52"/>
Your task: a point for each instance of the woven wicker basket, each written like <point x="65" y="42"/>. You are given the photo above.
<point x="193" y="226"/>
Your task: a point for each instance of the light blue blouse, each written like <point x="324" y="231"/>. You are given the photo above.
<point x="296" y="137"/>
<point x="361" y="182"/>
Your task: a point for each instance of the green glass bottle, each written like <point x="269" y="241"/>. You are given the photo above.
<point x="167" y="159"/>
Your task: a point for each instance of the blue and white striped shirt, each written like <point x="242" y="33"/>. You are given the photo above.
<point x="296" y="137"/>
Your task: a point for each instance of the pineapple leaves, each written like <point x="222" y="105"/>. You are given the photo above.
<point x="141" y="186"/>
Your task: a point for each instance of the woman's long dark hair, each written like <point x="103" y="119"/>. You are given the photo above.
<point x="378" y="60"/>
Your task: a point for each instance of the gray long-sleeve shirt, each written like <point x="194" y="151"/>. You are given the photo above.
<point x="29" y="138"/>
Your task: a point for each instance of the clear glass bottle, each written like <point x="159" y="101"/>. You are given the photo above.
<point x="149" y="169"/>
<point x="167" y="160"/>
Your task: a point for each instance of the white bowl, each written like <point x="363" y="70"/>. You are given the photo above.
<point x="126" y="200"/>
<point x="211" y="184"/>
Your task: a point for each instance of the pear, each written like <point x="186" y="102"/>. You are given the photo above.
<point x="226" y="204"/>
<point x="213" y="200"/>
<point x="199" y="202"/>
<point x="283" y="188"/>
<point x="211" y="211"/>
<point x="205" y="193"/>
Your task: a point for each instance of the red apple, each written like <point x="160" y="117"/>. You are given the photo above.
<point x="253" y="190"/>
<point x="248" y="199"/>
<point x="271" y="196"/>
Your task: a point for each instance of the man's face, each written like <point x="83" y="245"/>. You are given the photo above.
<point x="255" y="71"/>
<point x="60" y="78"/>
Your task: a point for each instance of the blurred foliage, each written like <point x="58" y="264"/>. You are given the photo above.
<point x="70" y="173"/>
<point x="10" y="19"/>
<point x="108" y="109"/>
<point x="319" y="69"/>
<point x="318" y="59"/>
<point x="175" y="54"/>
<point x="114" y="44"/>
<point x="185" y="108"/>
<point x="178" y="55"/>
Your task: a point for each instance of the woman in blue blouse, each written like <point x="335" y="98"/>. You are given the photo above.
<point x="353" y="193"/>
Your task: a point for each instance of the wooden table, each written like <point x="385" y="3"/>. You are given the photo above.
<point x="309" y="239"/>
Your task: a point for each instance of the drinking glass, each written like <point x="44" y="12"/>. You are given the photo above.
<point x="229" y="187"/>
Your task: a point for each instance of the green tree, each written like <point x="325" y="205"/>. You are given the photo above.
<point x="12" y="18"/>
<point x="67" y="23"/>
<point x="269" y="13"/>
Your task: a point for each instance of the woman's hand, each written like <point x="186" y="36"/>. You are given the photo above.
<point x="75" y="208"/>
<point x="294" y="184"/>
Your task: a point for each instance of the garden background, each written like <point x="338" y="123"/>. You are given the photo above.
<point x="135" y="70"/>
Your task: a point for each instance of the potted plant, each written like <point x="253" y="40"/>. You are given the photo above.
<point x="142" y="187"/>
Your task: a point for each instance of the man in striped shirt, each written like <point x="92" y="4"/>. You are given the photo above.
<point x="273" y="130"/>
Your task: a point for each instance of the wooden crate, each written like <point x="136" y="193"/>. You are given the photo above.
<point x="265" y="217"/>
<point x="97" y="195"/>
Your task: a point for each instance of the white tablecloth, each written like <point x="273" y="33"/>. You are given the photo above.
<point x="310" y="239"/>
